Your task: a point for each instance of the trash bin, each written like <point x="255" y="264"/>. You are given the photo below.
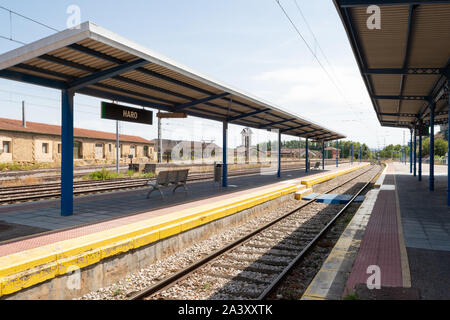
<point x="218" y="172"/>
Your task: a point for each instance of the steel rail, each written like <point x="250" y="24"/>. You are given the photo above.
<point x="185" y="272"/>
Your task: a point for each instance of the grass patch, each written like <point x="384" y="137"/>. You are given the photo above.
<point x="351" y="296"/>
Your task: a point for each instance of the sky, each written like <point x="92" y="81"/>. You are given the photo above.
<point x="248" y="44"/>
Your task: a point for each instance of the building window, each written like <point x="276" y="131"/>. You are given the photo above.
<point x="59" y="148"/>
<point x="6" y="147"/>
<point x="45" y="148"/>
<point x="110" y="148"/>
<point x="133" y="151"/>
<point x="146" y="152"/>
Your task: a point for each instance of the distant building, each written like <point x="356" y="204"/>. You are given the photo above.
<point x="210" y="150"/>
<point x="32" y="142"/>
<point x="331" y="152"/>
<point x="299" y="153"/>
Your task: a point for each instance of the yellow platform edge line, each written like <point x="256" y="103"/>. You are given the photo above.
<point x="25" y="269"/>
<point x="313" y="181"/>
<point x="31" y="267"/>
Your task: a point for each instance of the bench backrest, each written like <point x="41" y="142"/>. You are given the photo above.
<point x="172" y="177"/>
<point x="163" y="178"/>
<point x="182" y="176"/>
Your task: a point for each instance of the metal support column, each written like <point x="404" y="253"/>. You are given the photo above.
<point x="323" y="155"/>
<point x="307" y="156"/>
<point x="448" y="154"/>
<point x="225" y="155"/>
<point x="337" y="154"/>
<point x="67" y="153"/>
<point x="279" y="154"/>
<point x="415" y="153"/>
<point x="360" y="154"/>
<point x="351" y="154"/>
<point x="431" y="178"/>
<point x="411" y="154"/>
<point x="420" y="158"/>
<point x="117" y="148"/>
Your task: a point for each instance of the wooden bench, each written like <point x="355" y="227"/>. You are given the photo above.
<point x="177" y="178"/>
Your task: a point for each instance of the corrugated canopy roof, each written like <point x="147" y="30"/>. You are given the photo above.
<point x="405" y="63"/>
<point x="96" y="62"/>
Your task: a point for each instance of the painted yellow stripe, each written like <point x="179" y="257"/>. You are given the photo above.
<point x="313" y="181"/>
<point x="28" y="268"/>
<point x="24" y="269"/>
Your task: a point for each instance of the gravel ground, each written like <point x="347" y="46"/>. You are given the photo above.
<point x="296" y="283"/>
<point x="206" y="285"/>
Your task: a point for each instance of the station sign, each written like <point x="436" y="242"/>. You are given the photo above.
<point x="423" y="131"/>
<point x="175" y="115"/>
<point x="113" y="111"/>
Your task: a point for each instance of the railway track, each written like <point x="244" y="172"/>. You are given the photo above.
<point x="253" y="266"/>
<point x="44" y="191"/>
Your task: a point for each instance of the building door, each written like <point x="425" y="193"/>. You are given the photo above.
<point x="133" y="151"/>
<point x="99" y="151"/>
<point x="77" y="150"/>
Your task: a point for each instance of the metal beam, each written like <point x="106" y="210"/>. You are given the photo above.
<point x="225" y="155"/>
<point x="366" y="3"/>
<point x="200" y="101"/>
<point x="406" y="71"/>
<point x="31" y="79"/>
<point x="276" y="123"/>
<point x="419" y="98"/>
<point x="106" y="74"/>
<point x="246" y="115"/>
<point x="95" y="53"/>
<point x="296" y="128"/>
<point x="67" y="63"/>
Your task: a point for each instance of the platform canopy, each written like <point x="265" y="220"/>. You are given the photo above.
<point x="96" y="62"/>
<point x="405" y="63"/>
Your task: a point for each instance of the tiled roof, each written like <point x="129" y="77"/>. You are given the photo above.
<point x="42" y="128"/>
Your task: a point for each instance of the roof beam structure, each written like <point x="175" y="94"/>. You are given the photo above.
<point x="246" y="115"/>
<point x="271" y="124"/>
<point x="106" y="74"/>
<point x="407" y="71"/>
<point x="296" y="128"/>
<point x="200" y="101"/>
<point x="400" y="52"/>
<point x="366" y="3"/>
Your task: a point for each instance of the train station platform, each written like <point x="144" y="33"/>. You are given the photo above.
<point x="401" y="234"/>
<point x="110" y="224"/>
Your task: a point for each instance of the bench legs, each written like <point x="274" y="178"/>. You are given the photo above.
<point x="181" y="185"/>
<point x="153" y="189"/>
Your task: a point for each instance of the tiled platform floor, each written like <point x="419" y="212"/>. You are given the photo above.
<point x="425" y="219"/>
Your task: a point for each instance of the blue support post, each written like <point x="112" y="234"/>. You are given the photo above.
<point x="411" y="154"/>
<point x="225" y="155"/>
<point x="448" y="154"/>
<point x="67" y="153"/>
<point x="307" y="156"/>
<point x="431" y="178"/>
<point x="415" y="153"/>
<point x="323" y="155"/>
<point x="351" y="154"/>
<point x="337" y="154"/>
<point x="279" y="154"/>
<point x="360" y="154"/>
<point x="420" y="158"/>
